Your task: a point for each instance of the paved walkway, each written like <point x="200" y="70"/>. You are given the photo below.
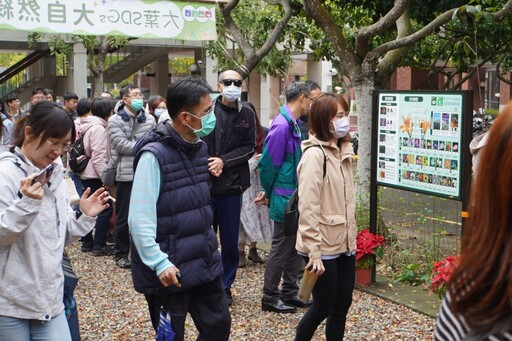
<point x="412" y="297"/>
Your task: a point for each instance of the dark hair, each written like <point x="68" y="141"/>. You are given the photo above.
<point x="49" y="91"/>
<point x="11" y="97"/>
<point x="480" y="286"/>
<point x="70" y="95"/>
<point x="47" y="119"/>
<point x="154" y="102"/>
<point x="312" y="85"/>
<point x="83" y="106"/>
<point x="39" y="90"/>
<point x="125" y="90"/>
<point x="260" y="136"/>
<point x="102" y="107"/>
<point x="295" y="89"/>
<point x="323" y="109"/>
<point x="107" y="92"/>
<point x="185" y="94"/>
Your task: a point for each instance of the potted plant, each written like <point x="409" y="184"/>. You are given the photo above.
<point x="441" y="273"/>
<point x="368" y="247"/>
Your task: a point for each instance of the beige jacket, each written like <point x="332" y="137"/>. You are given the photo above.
<point x="327" y="205"/>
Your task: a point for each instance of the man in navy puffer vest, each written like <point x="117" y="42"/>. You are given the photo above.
<point x="170" y="217"/>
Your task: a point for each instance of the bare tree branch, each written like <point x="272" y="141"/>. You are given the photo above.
<point x="366" y="33"/>
<point x="500" y="75"/>
<point x="349" y="60"/>
<point x="252" y="56"/>
<point x="429" y="28"/>
<point x="388" y="64"/>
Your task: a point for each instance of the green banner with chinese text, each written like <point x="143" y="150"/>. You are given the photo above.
<point x="134" y="18"/>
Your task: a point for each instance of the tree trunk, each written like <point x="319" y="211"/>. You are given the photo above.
<point x="363" y="93"/>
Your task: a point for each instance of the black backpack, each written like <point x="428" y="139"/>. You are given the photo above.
<point x="291" y="210"/>
<point x="78" y="160"/>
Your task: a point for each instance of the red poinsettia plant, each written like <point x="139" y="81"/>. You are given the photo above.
<point x="368" y="245"/>
<point x="441" y="273"/>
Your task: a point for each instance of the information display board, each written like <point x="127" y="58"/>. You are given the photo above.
<point x="420" y="141"/>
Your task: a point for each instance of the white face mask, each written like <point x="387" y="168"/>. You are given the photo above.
<point x="231" y="93"/>
<point x="341" y="127"/>
<point x="159" y="111"/>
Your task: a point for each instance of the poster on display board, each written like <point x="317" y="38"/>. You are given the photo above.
<point x="419" y="141"/>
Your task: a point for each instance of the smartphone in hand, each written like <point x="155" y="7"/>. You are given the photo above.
<point x="44" y="175"/>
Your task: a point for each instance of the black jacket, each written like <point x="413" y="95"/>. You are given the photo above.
<point x="234" y="144"/>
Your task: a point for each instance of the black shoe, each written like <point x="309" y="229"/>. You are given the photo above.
<point x="229" y="297"/>
<point x="298" y="303"/>
<point x="123" y="262"/>
<point x="104" y="250"/>
<point x="86" y="247"/>
<point x="277" y="307"/>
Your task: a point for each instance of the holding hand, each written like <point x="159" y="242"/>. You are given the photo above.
<point x="261" y="199"/>
<point x="215" y="166"/>
<point x="30" y="188"/>
<point x="93" y="204"/>
<point x="168" y="277"/>
<point x="315" y="266"/>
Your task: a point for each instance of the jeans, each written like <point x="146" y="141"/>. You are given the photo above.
<point x="285" y="262"/>
<point x="226" y="215"/>
<point x="101" y="226"/>
<point x="78" y="185"/>
<point x="27" y="330"/>
<point x="332" y="297"/>
<point x="121" y="232"/>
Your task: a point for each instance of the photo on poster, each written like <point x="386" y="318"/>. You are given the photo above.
<point x="382" y="149"/>
<point x="419" y="160"/>
<point x="439" y="163"/>
<point x="413" y="176"/>
<point x="425" y="161"/>
<point x="437" y="121"/>
<point x="383" y="111"/>
<point x="382" y="137"/>
<point x="405" y="142"/>
<point x="454" y="165"/>
<point x="441" y="146"/>
<point x="382" y="122"/>
<point x="447" y="164"/>
<point x="382" y="164"/>
<point x="445" y="122"/>
<point x="417" y="143"/>
<point x="454" y="122"/>
<point x="411" y="159"/>
<point x="448" y="146"/>
<point x="429" y="144"/>
<point x="405" y="159"/>
<point x="455" y="147"/>
<point x="433" y="161"/>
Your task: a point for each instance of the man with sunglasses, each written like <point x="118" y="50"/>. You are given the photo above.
<point x="230" y="147"/>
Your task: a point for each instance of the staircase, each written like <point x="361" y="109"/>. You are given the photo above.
<point x="132" y="59"/>
<point x="17" y="78"/>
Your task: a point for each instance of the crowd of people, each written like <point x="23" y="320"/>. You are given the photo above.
<point x="192" y="172"/>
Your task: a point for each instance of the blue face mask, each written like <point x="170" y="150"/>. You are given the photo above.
<point x="137" y="104"/>
<point x="207" y="124"/>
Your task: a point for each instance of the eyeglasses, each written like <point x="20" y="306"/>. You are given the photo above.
<point x="55" y="146"/>
<point x="228" y="82"/>
<point x="199" y="115"/>
<point x="136" y="95"/>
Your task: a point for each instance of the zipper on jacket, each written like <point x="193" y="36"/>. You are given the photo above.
<point x="346" y="202"/>
<point x="57" y="217"/>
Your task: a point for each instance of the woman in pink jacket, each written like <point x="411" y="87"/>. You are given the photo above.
<point x="94" y="131"/>
<point x="327" y="230"/>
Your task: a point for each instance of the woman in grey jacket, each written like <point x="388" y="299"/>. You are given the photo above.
<point x="36" y="221"/>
